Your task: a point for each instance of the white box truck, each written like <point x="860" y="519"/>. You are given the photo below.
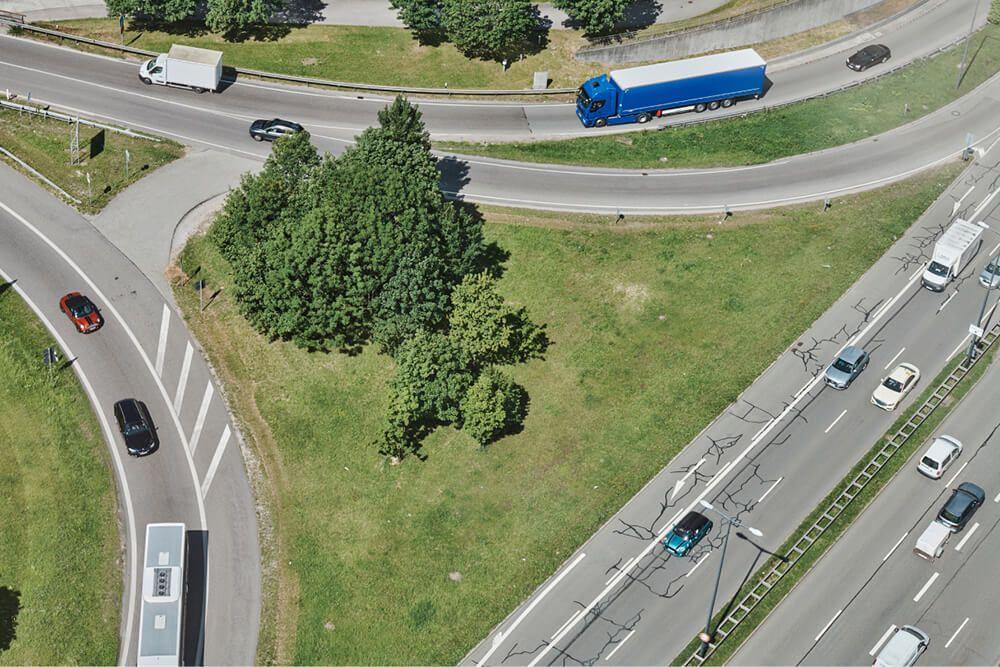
<point x="953" y="250"/>
<point x="184" y="67"/>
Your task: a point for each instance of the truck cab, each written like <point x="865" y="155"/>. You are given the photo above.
<point x="154" y="70"/>
<point x="596" y="101"/>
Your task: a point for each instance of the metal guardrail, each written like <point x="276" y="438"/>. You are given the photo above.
<point x="46" y="113"/>
<point x="841" y="502"/>
<point x="291" y="78"/>
<point x="39" y="175"/>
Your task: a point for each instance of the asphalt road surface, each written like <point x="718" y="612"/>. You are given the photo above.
<point x="144" y="351"/>
<point x="841" y="612"/>
<point x="768" y="460"/>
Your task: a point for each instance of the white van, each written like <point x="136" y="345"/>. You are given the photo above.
<point x="931" y="542"/>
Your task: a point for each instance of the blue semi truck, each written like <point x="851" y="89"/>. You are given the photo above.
<point x="637" y="94"/>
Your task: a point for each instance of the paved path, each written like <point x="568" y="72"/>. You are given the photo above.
<point x="363" y="12"/>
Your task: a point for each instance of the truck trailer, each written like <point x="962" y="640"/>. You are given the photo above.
<point x="956" y="247"/>
<point x="184" y="67"/>
<point x="637" y="94"/>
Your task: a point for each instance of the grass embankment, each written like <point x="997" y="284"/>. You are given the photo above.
<point x="837" y="119"/>
<point x="44" y="143"/>
<point x="413" y="564"/>
<point x="843" y="521"/>
<point x="60" y="573"/>
<point x="363" y="54"/>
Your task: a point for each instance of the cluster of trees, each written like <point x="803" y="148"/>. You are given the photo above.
<point x="994" y="15"/>
<point x="500" y="28"/>
<point x="229" y="17"/>
<point x="334" y="253"/>
<point x="490" y="29"/>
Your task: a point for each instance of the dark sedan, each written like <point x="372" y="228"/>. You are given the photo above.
<point x="873" y="54"/>
<point x="269" y="130"/>
<point x="964" y="502"/>
<point x="136" y="427"/>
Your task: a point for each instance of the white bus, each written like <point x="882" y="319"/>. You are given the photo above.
<point x="161" y="619"/>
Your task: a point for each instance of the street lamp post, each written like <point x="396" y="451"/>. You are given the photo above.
<point x="965" y="53"/>
<point x="977" y="326"/>
<point x="706" y="636"/>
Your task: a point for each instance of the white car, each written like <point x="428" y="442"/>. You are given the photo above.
<point x="895" y="386"/>
<point x="941" y="454"/>
<point x="903" y="648"/>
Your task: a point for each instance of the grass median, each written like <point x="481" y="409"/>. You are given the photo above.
<point x="812" y="125"/>
<point x="44" y="143"/>
<point x="844" y="520"/>
<point x="60" y="569"/>
<point x="413" y="564"/>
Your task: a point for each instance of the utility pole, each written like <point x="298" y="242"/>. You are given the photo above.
<point x="976" y="328"/>
<point x="965" y="52"/>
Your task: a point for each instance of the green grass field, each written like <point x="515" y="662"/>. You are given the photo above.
<point x="413" y="564"/>
<point x="363" y="54"/>
<point x="60" y="575"/>
<point x="812" y="125"/>
<point x="44" y="143"/>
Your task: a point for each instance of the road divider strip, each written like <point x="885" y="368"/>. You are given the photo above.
<point x="833" y="516"/>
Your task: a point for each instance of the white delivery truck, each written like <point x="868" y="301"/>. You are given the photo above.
<point x="185" y="67"/>
<point x="930" y="544"/>
<point x="952" y="251"/>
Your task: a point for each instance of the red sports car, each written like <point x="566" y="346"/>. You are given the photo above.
<point x="82" y="312"/>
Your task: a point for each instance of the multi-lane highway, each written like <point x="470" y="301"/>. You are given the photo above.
<point x="769" y="459"/>
<point x="841" y="613"/>
<point x="110" y="89"/>
<point x="144" y="351"/>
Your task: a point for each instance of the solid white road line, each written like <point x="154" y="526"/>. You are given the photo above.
<point x="199" y="423"/>
<point x="975" y="527"/>
<point x="115" y="455"/>
<point x="627" y="563"/>
<point x="182" y="383"/>
<point x="878" y="644"/>
<point x="499" y="636"/>
<point x="920" y="269"/>
<point x="766" y="424"/>
<point x="947" y="301"/>
<point x="828" y="428"/>
<point x="958" y="204"/>
<point x="696" y="565"/>
<point x="827" y="626"/>
<point x="894" y="358"/>
<point x="667" y="526"/>
<point x="219" y="449"/>
<point x="920" y="593"/>
<point x="894" y="546"/>
<point x="770" y="489"/>
<point x="957" y="473"/>
<point x="711" y="485"/>
<point x="161" y="346"/>
<point x="995" y="248"/>
<point x="996" y="499"/>
<point x="575" y="614"/>
<point x="620" y="644"/>
<point x="984" y="204"/>
<point x="956" y="632"/>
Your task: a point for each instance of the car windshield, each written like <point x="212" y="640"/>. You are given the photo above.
<point x="992" y="268"/>
<point x="929" y="462"/>
<point x="582" y="97"/>
<point x="892" y="384"/>
<point x="134" y="428"/>
<point x="952" y="513"/>
<point x="81" y="309"/>
<point x="843" y="365"/>
<point x="938" y="269"/>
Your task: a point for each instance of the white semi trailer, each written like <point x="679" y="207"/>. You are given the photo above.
<point x="956" y="247"/>
<point x="184" y="67"/>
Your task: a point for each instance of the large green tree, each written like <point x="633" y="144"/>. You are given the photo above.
<point x="167" y="11"/>
<point x="493" y="405"/>
<point x="492" y="29"/>
<point x="597" y="17"/>
<point x="423" y="17"/>
<point x="235" y="18"/>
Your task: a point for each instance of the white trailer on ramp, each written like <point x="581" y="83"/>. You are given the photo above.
<point x="161" y="619"/>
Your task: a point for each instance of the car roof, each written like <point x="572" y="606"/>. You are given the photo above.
<point x="851" y="354"/>
<point x="973" y="490"/>
<point x="76" y="298"/>
<point x="940" y="448"/>
<point x="899" y="648"/>
<point x="900" y="373"/>
<point x="129" y="407"/>
<point x="691" y="521"/>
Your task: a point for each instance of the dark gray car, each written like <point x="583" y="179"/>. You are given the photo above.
<point x="990" y="277"/>
<point x="846" y="367"/>
<point x="136" y="427"/>
<point x="964" y="502"/>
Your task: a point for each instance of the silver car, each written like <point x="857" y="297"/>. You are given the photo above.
<point x="990" y="277"/>
<point x="903" y="648"/>
<point x="846" y="367"/>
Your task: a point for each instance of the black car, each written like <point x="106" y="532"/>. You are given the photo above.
<point x="964" y="502"/>
<point x="872" y="54"/>
<point x="136" y="427"/>
<point x="269" y="130"/>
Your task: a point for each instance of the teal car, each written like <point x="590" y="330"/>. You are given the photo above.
<point x="687" y="533"/>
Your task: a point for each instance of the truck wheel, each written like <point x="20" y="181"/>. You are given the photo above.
<point x="600" y="122"/>
<point x="698" y="108"/>
<point x="145" y="80"/>
<point x="643" y="118"/>
<point x="198" y="90"/>
<point x="728" y="103"/>
<point x="713" y="105"/>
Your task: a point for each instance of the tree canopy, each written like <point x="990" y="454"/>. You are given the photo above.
<point x="598" y="17"/>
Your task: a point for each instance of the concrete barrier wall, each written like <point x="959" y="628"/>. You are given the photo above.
<point x="785" y="19"/>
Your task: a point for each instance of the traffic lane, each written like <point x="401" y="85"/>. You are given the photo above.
<point x="880" y="540"/>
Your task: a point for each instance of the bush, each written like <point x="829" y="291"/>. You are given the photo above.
<point x="495" y="404"/>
